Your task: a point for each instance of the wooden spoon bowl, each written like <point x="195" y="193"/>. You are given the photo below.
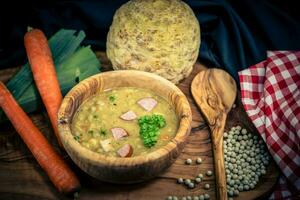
<point x="115" y="169"/>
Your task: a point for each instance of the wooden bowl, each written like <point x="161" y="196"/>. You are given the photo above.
<point x="115" y="169"/>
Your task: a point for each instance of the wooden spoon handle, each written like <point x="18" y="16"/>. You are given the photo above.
<point x="217" y="140"/>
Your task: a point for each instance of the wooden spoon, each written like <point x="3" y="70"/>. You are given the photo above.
<point x="214" y="91"/>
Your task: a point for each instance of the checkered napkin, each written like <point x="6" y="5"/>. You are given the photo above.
<point x="270" y="93"/>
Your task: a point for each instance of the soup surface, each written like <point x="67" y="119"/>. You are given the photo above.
<point x="110" y="122"/>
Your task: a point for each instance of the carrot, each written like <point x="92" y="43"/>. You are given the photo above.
<point x="58" y="171"/>
<point x="43" y="70"/>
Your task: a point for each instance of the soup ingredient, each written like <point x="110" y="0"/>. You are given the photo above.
<point x="246" y="159"/>
<point x="129" y="116"/>
<point x="159" y="36"/>
<point x="149" y="128"/>
<point x="43" y="70"/>
<point x="147" y="103"/>
<point x="106" y="145"/>
<point x="188" y="161"/>
<point x="119" y="133"/>
<point x="125" y="151"/>
<point x="58" y="171"/>
<point x="201" y="197"/>
<point x="196" y="198"/>
<point x="209" y="173"/>
<point x="198" y="160"/>
<point x="71" y="61"/>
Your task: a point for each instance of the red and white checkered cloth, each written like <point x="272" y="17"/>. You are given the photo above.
<point x="270" y="93"/>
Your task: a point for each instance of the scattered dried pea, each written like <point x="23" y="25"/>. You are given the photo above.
<point x="180" y="180"/>
<point x="198" y="160"/>
<point x="200" y="176"/>
<point x="207" y="186"/>
<point x="206" y="196"/>
<point x="188" y="161"/>
<point x="209" y="173"/>
<point x="198" y="180"/>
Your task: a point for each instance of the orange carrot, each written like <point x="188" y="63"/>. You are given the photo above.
<point x="58" y="171"/>
<point x="43" y="70"/>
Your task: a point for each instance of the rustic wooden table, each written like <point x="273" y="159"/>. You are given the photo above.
<point x="22" y="178"/>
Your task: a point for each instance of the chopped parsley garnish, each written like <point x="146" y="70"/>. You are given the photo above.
<point x="112" y="98"/>
<point x="77" y="138"/>
<point x="103" y="131"/>
<point x="90" y="132"/>
<point x="95" y="116"/>
<point x="149" y="128"/>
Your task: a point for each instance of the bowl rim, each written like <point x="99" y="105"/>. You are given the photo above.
<point x="66" y="136"/>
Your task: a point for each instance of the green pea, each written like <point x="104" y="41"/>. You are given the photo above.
<point x="187" y="181"/>
<point x="235" y="176"/>
<point x="246" y="187"/>
<point x="236" y="192"/>
<point x="188" y="161"/>
<point x="180" y="180"/>
<point x="230" y="193"/>
<point x="241" y="188"/>
<point x="198" y="160"/>
<point x="200" y="175"/>
<point x="209" y="173"/>
<point x="191" y="185"/>
<point x="207" y="186"/>
<point x="198" y="180"/>
<point x="206" y="196"/>
<point x="225" y="134"/>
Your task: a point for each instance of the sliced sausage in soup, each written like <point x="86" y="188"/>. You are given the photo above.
<point x="147" y="103"/>
<point x="128" y="116"/>
<point x="125" y="151"/>
<point x="119" y="133"/>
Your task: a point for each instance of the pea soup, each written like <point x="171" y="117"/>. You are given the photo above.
<point x="124" y="122"/>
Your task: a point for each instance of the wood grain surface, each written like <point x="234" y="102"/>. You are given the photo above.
<point x="22" y="178"/>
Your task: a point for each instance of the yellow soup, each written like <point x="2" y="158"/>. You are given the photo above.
<point x="107" y="121"/>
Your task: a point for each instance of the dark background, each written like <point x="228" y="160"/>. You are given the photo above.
<point x="235" y="34"/>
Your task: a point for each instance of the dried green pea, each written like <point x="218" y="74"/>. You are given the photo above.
<point x="198" y="180"/>
<point x="180" y="180"/>
<point x="206" y="196"/>
<point x="198" y="160"/>
<point x="196" y="198"/>
<point x="188" y="161"/>
<point x="207" y="186"/>
<point x="201" y="197"/>
<point x="209" y="173"/>
<point x="200" y="175"/>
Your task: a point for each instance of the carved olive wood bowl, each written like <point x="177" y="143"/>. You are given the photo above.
<point x="116" y="169"/>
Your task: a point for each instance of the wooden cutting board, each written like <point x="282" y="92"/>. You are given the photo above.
<point x="22" y="178"/>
